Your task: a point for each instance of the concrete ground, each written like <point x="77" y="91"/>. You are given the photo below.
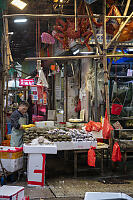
<point x="60" y="183"/>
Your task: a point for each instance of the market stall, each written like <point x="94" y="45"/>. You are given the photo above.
<point x="58" y="137"/>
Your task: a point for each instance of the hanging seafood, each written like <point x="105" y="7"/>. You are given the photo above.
<point x="47" y="38"/>
<point x="64" y="30"/>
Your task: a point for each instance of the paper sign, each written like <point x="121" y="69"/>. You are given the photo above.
<point x="129" y="72"/>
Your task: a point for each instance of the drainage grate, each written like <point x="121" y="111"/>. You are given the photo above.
<point x="112" y="180"/>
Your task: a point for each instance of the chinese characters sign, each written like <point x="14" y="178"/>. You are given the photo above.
<point x="26" y="82"/>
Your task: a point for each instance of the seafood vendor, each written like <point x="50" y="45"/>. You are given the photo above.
<point x="19" y="118"/>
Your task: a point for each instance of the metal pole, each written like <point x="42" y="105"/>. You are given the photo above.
<point x="96" y="106"/>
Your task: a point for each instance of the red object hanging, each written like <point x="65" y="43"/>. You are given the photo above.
<point x="116" y="109"/>
<point x="91" y="157"/>
<point x="78" y="107"/>
<point x="116" y="154"/>
<point x="107" y="128"/>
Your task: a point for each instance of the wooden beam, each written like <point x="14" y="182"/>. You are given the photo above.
<point x="115" y="47"/>
<point x="93" y="30"/>
<point x="63" y="57"/>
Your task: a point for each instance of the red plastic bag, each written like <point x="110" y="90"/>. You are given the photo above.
<point x="91" y="157"/>
<point x="26" y="198"/>
<point x="96" y="126"/>
<point x="116" y="109"/>
<point x="107" y="128"/>
<point x="116" y="154"/>
<point x="78" y="107"/>
<point x="93" y="126"/>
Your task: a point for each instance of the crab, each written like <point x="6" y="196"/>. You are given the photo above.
<point x="64" y="30"/>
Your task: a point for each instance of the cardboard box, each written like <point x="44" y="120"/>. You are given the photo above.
<point x="51" y="115"/>
<point x="106" y="196"/>
<point x="11" y="192"/>
<point x="11" y="158"/>
<point x="44" y="148"/>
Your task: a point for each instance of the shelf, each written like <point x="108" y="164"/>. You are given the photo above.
<point x="123" y="129"/>
<point x="123" y="118"/>
<point x="121" y="76"/>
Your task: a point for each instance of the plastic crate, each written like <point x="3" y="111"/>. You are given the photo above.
<point x="5" y="143"/>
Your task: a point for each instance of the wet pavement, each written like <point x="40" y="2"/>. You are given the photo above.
<point x="60" y="183"/>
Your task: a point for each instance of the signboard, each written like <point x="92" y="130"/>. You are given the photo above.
<point x="34" y="93"/>
<point x="26" y="82"/>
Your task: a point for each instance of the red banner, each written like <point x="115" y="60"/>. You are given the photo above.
<point x="26" y="82"/>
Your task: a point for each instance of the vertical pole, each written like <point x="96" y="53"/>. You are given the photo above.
<point x="105" y="59"/>
<point x="5" y="77"/>
<point x="75" y="12"/>
<point x="66" y="92"/>
<point x="96" y="107"/>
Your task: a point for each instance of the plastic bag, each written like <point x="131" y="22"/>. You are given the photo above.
<point x="26" y="198"/>
<point x="91" y="157"/>
<point x="93" y="126"/>
<point x="78" y="107"/>
<point x="107" y="128"/>
<point x="116" y="154"/>
<point x="116" y="109"/>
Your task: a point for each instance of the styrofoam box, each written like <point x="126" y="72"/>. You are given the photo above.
<point x="11" y="192"/>
<point x="106" y="195"/>
<point x="35" y="162"/>
<point x="44" y="148"/>
<point x="75" y="145"/>
<point x="43" y="124"/>
<point x="97" y="134"/>
<point x="11" y="158"/>
<point x="52" y="115"/>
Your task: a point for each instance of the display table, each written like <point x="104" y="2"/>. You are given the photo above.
<point x="37" y="157"/>
<point x="62" y="146"/>
<point x="125" y="156"/>
<point x="36" y="162"/>
<point x="101" y="149"/>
